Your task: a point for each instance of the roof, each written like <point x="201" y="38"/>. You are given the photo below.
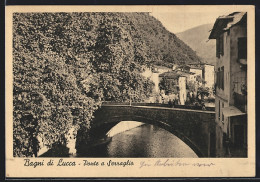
<point x="232" y="111"/>
<point x="195" y="67"/>
<point x="224" y="23"/>
<point x="208" y="64"/>
<point x="170" y="74"/>
<point x="176" y="74"/>
<point x="186" y="73"/>
<point x="161" y="67"/>
<point x="191" y="66"/>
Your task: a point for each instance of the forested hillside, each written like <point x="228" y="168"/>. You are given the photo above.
<point x="66" y="64"/>
<point x="165" y="47"/>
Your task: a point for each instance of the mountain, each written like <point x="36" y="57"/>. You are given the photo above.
<point x="197" y="39"/>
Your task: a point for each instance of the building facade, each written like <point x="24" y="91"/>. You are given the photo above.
<point x="176" y="83"/>
<point x="208" y="75"/>
<point x="230" y="33"/>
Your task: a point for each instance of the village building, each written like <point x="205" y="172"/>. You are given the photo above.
<point x="153" y="74"/>
<point x="230" y="33"/>
<point x="160" y="69"/>
<point x="193" y="68"/>
<point x="177" y="85"/>
<point x="208" y="75"/>
<point x="196" y="70"/>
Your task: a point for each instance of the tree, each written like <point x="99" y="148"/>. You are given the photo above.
<point x="169" y="86"/>
<point x="191" y="86"/>
<point x="203" y="91"/>
<point x="48" y="87"/>
<point x="64" y="65"/>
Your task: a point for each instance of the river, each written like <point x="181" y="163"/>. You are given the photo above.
<point x="143" y="141"/>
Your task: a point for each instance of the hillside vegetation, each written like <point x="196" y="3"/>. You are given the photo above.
<point x="165" y="47"/>
<point x="66" y="64"/>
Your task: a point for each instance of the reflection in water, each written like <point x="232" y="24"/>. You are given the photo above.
<point x="143" y="141"/>
<point x="123" y="126"/>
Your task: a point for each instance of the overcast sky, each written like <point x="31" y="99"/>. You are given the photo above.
<point x="180" y="21"/>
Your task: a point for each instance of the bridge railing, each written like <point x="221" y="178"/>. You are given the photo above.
<point x="159" y="105"/>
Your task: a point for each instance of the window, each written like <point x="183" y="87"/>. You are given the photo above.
<point x="220" y="78"/>
<point x="218" y="109"/>
<point x="220" y="46"/>
<point x="242" y="48"/>
<point x="222" y="112"/>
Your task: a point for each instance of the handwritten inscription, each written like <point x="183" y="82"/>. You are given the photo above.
<point x="173" y="163"/>
<point x="144" y="164"/>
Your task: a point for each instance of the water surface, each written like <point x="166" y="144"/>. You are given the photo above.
<point x="143" y="141"/>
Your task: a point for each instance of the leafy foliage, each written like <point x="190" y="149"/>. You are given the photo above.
<point x="165" y="47"/>
<point x="169" y="86"/>
<point x="191" y="86"/>
<point x="203" y="91"/>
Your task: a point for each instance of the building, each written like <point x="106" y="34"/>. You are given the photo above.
<point x="190" y="76"/>
<point x="153" y="77"/>
<point x="208" y="74"/>
<point x="182" y="90"/>
<point x="230" y="33"/>
<point x="160" y="69"/>
<point x="153" y="74"/>
<point x="196" y="69"/>
<point x="176" y="84"/>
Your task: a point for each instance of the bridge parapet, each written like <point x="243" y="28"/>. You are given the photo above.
<point x="192" y="107"/>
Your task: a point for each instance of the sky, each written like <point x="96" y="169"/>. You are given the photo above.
<point x="180" y="21"/>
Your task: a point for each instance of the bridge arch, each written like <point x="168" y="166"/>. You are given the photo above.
<point x="103" y="129"/>
<point x="195" y="128"/>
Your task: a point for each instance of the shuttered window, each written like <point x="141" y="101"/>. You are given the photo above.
<point x="220" y="46"/>
<point x="220" y="78"/>
<point x="242" y="48"/>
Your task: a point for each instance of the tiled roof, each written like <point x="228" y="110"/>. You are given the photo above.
<point x="224" y="23"/>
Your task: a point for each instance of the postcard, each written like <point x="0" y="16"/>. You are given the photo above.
<point x="130" y="91"/>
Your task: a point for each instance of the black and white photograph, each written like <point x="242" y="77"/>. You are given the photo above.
<point x="162" y="83"/>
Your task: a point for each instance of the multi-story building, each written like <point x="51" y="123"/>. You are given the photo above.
<point x="230" y="33"/>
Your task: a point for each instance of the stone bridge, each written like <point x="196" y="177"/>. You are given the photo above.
<point x="196" y="128"/>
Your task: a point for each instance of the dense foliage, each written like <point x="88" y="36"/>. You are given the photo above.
<point x="169" y="86"/>
<point x="165" y="47"/>
<point x="66" y="64"/>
